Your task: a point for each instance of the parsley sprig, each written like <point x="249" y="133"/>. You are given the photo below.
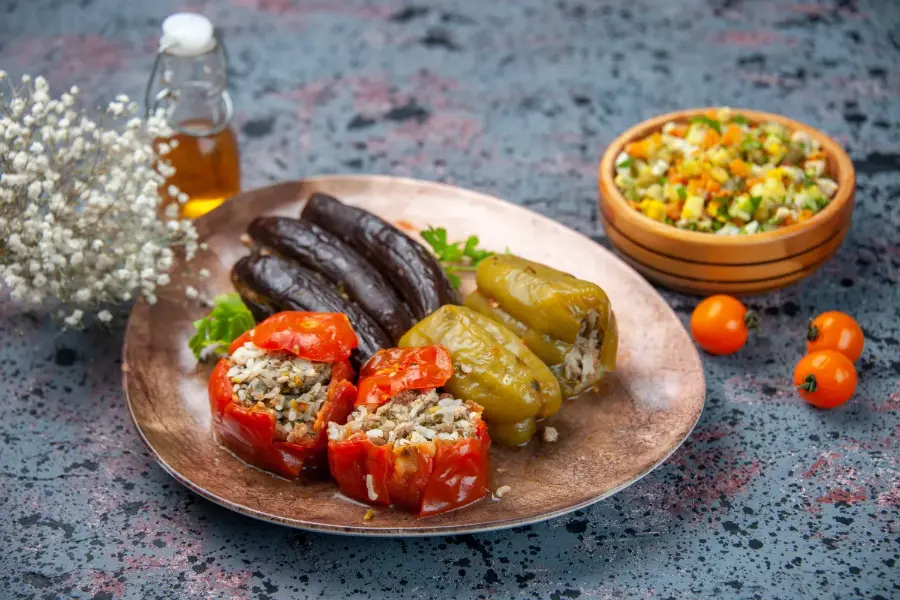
<point x="455" y="257"/>
<point x="228" y="319"/>
<point x="711" y="123"/>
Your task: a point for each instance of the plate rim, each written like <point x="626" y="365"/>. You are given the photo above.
<point x="398" y="532"/>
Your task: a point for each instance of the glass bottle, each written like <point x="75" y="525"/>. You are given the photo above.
<point x="192" y="70"/>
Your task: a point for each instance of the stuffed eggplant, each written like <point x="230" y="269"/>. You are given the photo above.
<point x="317" y="249"/>
<point x="567" y="322"/>
<point x="265" y="280"/>
<point x="410" y="445"/>
<point x="282" y="383"/>
<point x="493" y="368"/>
<point x="417" y="274"/>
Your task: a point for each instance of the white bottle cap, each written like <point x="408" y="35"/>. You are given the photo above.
<point x="187" y="34"/>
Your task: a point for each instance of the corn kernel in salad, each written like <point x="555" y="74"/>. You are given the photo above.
<point x="720" y="173"/>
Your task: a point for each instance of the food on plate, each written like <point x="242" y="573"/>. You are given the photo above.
<point x="493" y="368"/>
<point x="834" y="330"/>
<point x="565" y="321"/>
<point x="391" y="371"/>
<point x="228" y="319"/>
<point x="283" y="284"/>
<point x="825" y="378"/>
<point x="455" y="257"/>
<point x="321" y="251"/>
<point x="404" y="262"/>
<point x="421" y="449"/>
<point x="720" y="324"/>
<point x="719" y="173"/>
<point x="282" y="383"/>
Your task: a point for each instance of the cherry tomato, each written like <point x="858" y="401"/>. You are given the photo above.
<point x="835" y="330"/>
<point x="825" y="378"/>
<point x="719" y="324"/>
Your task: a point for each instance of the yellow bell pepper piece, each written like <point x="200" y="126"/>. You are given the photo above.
<point x="720" y="157"/>
<point x="654" y="209"/>
<point x="719" y="174"/>
<point x="693" y="208"/>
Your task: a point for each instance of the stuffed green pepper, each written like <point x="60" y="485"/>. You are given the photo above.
<point x="493" y="368"/>
<point x="565" y="321"/>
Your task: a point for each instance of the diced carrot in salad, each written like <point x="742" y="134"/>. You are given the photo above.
<point x="719" y="173"/>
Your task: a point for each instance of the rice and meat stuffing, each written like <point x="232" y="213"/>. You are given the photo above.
<point x="291" y="389"/>
<point x="411" y="417"/>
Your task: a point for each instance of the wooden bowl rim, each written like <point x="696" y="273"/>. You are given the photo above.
<point x="845" y="176"/>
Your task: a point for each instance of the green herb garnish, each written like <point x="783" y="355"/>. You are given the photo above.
<point x="682" y="192"/>
<point x="740" y="119"/>
<point x="754" y="204"/>
<point x="750" y="144"/>
<point x="711" y="123"/>
<point x="228" y="319"/>
<point x="625" y="164"/>
<point x="455" y="257"/>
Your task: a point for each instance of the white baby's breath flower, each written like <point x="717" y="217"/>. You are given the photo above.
<point x="34" y="190"/>
<point x="204" y="273"/>
<point x="74" y="319"/>
<point x="191" y="292"/>
<point x="78" y="203"/>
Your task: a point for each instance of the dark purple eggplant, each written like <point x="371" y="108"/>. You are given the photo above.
<point x="285" y="285"/>
<point x="317" y="249"/>
<point x="415" y="273"/>
<point x="260" y="307"/>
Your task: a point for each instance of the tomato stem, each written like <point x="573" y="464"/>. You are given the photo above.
<point x="812" y="334"/>
<point x="751" y="320"/>
<point x="809" y="384"/>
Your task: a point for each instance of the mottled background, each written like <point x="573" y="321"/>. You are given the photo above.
<point x="768" y="498"/>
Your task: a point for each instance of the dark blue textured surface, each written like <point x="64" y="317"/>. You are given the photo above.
<point x="768" y="499"/>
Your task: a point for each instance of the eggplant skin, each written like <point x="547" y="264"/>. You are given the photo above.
<point x="285" y="285"/>
<point x="321" y="251"/>
<point x="259" y="306"/>
<point x="403" y="261"/>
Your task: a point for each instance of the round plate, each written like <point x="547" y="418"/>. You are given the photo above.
<point x="607" y="440"/>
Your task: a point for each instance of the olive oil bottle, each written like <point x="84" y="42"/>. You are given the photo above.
<point x="203" y="149"/>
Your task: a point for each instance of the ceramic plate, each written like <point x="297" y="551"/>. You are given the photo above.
<point x="607" y="440"/>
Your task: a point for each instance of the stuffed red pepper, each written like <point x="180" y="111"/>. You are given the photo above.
<point x="282" y="383"/>
<point x="407" y="444"/>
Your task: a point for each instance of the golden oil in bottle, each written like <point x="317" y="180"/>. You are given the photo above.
<point x="207" y="169"/>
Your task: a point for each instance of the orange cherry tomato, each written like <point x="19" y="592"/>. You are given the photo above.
<point x="834" y="330"/>
<point x="825" y="378"/>
<point x="719" y="324"/>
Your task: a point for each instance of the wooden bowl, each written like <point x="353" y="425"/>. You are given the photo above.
<point x="704" y="263"/>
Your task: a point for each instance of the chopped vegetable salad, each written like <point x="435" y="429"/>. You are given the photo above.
<point x="720" y="174"/>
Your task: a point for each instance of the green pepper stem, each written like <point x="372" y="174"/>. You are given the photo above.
<point x="751" y="320"/>
<point x="809" y="384"/>
<point x="812" y="334"/>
